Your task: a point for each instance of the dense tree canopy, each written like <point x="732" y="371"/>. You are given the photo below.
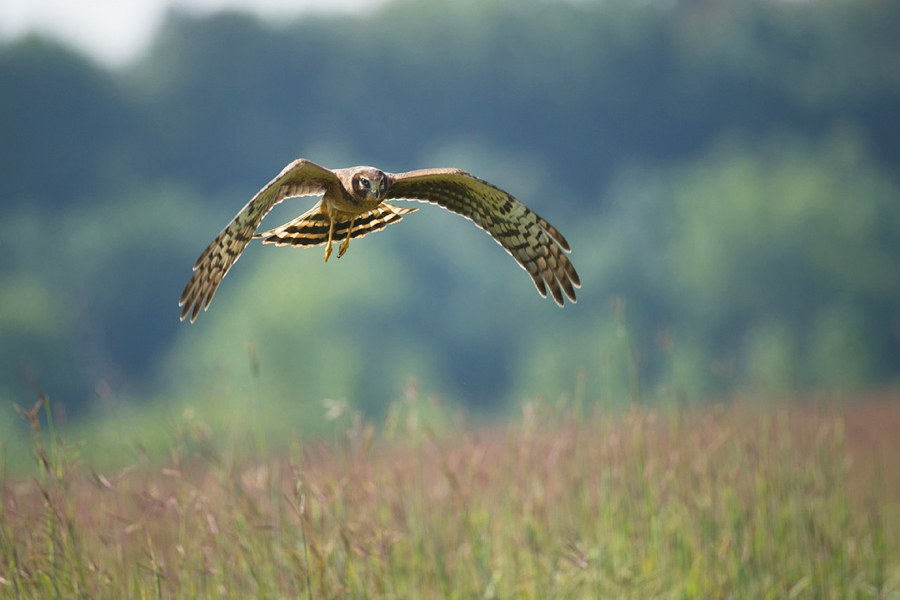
<point x="726" y="173"/>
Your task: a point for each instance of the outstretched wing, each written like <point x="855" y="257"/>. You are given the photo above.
<point x="535" y="244"/>
<point x="299" y="178"/>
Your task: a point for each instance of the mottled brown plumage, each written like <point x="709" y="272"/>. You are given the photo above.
<point x="354" y="203"/>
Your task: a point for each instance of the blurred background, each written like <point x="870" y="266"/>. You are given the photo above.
<point x="726" y="173"/>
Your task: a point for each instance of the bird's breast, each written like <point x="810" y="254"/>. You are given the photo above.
<point x="353" y="204"/>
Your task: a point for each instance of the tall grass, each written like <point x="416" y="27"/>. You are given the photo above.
<point x="732" y="502"/>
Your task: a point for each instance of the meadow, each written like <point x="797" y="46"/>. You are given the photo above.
<point x="738" y="500"/>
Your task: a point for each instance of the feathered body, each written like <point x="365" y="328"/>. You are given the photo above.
<point x="354" y="203"/>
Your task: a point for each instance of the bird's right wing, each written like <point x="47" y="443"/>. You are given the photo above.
<point x="535" y="244"/>
<point x="299" y="178"/>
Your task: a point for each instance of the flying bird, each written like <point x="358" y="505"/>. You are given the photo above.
<point x="354" y="202"/>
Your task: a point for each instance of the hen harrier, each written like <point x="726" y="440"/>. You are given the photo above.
<point x="354" y="203"/>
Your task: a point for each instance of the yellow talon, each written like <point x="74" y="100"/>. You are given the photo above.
<point x="330" y="235"/>
<point x="346" y="243"/>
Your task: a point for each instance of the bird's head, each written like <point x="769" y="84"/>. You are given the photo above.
<point x="370" y="183"/>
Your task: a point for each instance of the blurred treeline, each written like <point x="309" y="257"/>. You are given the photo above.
<point x="726" y="172"/>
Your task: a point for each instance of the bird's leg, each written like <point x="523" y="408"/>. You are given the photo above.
<point x="330" y="235"/>
<point x="346" y="243"/>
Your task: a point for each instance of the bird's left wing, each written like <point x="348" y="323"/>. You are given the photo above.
<point x="299" y="178"/>
<point x="535" y="244"/>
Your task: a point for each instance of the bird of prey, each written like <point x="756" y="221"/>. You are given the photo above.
<point x="354" y="203"/>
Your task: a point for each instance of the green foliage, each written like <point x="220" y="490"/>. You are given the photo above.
<point x="727" y="171"/>
<point x="64" y="125"/>
<point x="727" y="502"/>
<point x="773" y="256"/>
<point x="329" y="350"/>
<point x="84" y="288"/>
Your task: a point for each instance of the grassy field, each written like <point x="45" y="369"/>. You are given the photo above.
<point x="730" y="501"/>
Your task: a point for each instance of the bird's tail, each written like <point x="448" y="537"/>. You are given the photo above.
<point x="311" y="228"/>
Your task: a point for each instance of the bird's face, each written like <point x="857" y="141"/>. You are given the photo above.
<point x="370" y="184"/>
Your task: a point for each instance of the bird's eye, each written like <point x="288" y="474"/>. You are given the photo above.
<point x="364" y="182"/>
